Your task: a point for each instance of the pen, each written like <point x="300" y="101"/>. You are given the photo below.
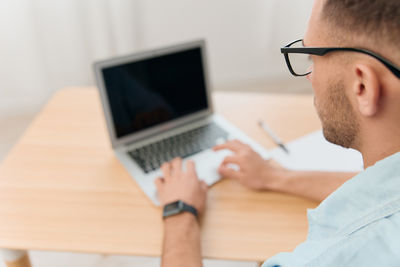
<point x="275" y="138"/>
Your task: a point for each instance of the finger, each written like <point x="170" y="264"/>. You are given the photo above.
<point x="232" y="160"/>
<point x="274" y="163"/>
<point x="191" y="168"/>
<point x="159" y="182"/>
<point x="234" y="146"/>
<point x="176" y="167"/>
<point x="161" y="179"/>
<point x="166" y="170"/>
<point x="228" y="172"/>
<point x="204" y="185"/>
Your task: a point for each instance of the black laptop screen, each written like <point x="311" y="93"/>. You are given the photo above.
<point x="146" y="93"/>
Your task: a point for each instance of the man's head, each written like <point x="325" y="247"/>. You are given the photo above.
<point x="355" y="94"/>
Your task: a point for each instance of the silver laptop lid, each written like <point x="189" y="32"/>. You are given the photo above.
<point x="149" y="92"/>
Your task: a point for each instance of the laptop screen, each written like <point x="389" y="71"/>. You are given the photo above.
<point x="152" y="91"/>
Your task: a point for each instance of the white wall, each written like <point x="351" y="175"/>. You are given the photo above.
<point x="243" y="36"/>
<point x="46" y="45"/>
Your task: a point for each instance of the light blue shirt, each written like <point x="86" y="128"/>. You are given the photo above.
<point x="357" y="225"/>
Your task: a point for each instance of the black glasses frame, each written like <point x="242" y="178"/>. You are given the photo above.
<point x="321" y="51"/>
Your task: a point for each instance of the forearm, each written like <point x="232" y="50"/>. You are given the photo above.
<point x="314" y="185"/>
<point x="181" y="245"/>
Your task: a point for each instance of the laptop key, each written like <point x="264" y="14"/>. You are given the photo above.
<point x="150" y="157"/>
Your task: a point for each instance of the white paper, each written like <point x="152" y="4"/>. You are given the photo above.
<point x="313" y="152"/>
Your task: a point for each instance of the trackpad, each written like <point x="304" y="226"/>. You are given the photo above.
<point x="207" y="163"/>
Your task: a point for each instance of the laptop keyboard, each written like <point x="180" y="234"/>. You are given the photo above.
<point x="151" y="156"/>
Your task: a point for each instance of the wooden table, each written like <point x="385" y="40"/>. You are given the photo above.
<point x="62" y="188"/>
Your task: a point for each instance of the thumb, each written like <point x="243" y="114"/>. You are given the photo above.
<point x="159" y="182"/>
<point x="204" y="186"/>
<point x="228" y="172"/>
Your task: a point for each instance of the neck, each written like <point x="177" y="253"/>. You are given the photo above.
<point x="379" y="145"/>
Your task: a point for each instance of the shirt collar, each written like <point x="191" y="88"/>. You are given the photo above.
<point x="370" y="195"/>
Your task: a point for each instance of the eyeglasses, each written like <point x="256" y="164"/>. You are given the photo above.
<point x="299" y="61"/>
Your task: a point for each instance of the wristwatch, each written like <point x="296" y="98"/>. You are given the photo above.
<point x="178" y="207"/>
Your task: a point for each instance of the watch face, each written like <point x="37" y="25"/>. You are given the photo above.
<point x="172" y="208"/>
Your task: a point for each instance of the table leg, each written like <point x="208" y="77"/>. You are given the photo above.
<point x="259" y="264"/>
<point x="15" y="258"/>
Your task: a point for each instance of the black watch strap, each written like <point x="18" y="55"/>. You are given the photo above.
<point x="178" y="207"/>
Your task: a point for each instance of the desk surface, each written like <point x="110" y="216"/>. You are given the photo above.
<point x="62" y="188"/>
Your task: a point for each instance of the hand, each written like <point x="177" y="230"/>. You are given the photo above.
<point x="254" y="172"/>
<point x="181" y="185"/>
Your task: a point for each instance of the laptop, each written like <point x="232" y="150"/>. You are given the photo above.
<point x="157" y="106"/>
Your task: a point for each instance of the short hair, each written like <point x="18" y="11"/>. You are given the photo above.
<point x="377" y="21"/>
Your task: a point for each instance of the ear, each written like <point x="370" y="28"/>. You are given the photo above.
<point x="367" y="89"/>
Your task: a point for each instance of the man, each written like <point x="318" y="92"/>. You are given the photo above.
<point x="357" y="97"/>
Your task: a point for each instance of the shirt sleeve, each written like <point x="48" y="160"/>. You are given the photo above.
<point x="374" y="245"/>
<point x="302" y="255"/>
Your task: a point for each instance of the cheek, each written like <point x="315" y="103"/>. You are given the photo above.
<point x="318" y="80"/>
<point x="316" y="106"/>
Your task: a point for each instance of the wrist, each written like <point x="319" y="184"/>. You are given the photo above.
<point x="178" y="207"/>
<point x="182" y="219"/>
<point x="276" y="180"/>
